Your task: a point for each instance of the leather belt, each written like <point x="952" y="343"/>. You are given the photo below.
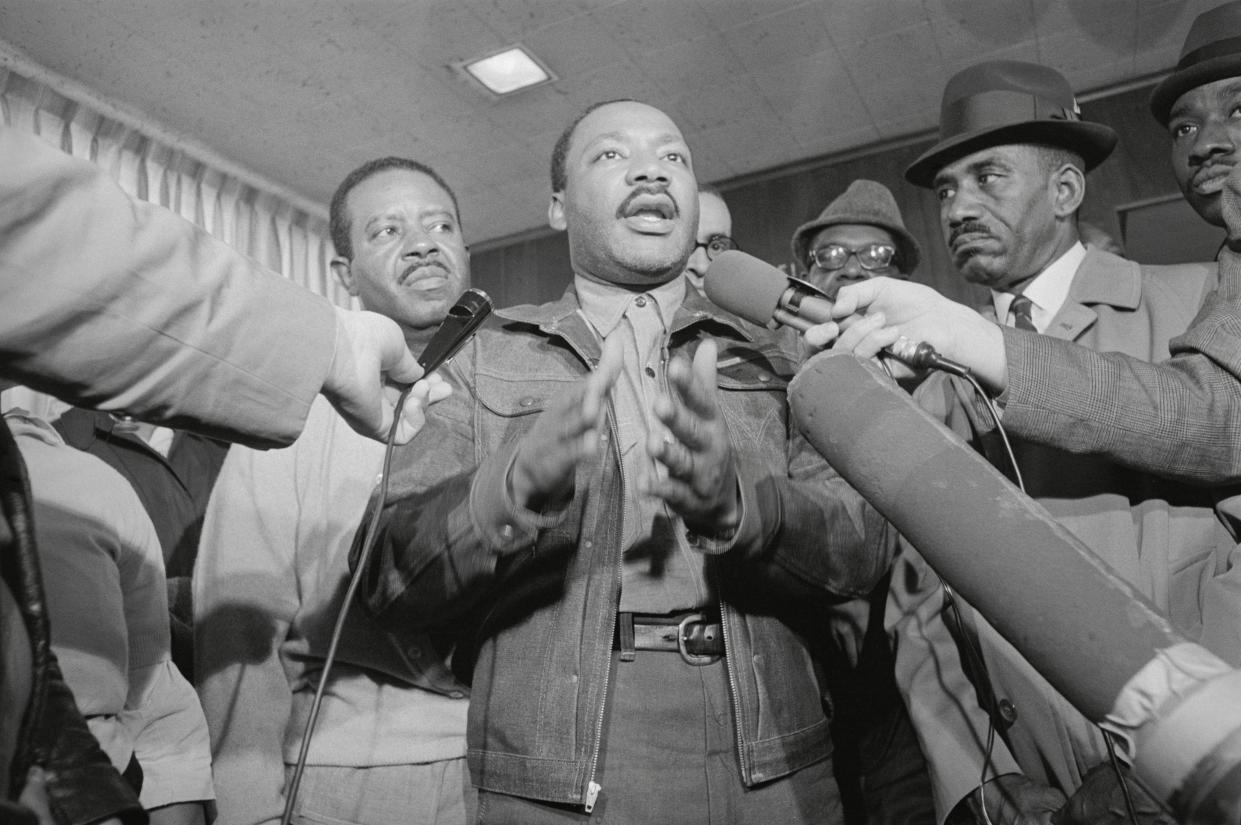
<point x="699" y="640"/>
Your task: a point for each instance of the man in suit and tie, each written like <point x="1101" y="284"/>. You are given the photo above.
<point x="1010" y="174"/>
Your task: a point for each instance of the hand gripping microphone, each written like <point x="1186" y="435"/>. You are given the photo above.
<point x="471" y="309"/>
<point x="762" y="294"/>
<point x="465" y="316"/>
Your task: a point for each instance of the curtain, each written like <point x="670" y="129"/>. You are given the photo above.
<point x="287" y="237"/>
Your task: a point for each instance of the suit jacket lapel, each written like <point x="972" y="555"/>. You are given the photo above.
<point x="1101" y="278"/>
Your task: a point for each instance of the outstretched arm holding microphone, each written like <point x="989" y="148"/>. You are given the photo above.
<point x="145" y="313"/>
<point x="1178" y="418"/>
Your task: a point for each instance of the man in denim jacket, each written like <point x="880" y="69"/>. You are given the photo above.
<point x="613" y="499"/>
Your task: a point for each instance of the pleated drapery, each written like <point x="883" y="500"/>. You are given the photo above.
<point x="287" y="236"/>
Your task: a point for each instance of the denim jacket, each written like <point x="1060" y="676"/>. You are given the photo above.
<point x="541" y="590"/>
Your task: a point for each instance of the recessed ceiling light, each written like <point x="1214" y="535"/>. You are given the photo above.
<point x="508" y="71"/>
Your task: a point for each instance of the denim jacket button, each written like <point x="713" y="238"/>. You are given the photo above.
<point x="526" y="402"/>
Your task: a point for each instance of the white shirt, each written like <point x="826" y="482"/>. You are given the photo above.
<point x="1048" y="291"/>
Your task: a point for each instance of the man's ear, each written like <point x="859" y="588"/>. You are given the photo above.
<point x="1070" y="183"/>
<point x="555" y="212"/>
<point x="344" y="274"/>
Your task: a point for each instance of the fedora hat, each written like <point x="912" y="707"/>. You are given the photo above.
<point x="1212" y="51"/>
<point x="864" y="202"/>
<point x="1007" y="101"/>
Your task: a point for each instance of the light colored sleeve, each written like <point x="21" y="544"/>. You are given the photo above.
<point x="111" y="302"/>
<point x="942" y="704"/>
<point x="162" y="717"/>
<point x="245" y="598"/>
<point x="166" y="724"/>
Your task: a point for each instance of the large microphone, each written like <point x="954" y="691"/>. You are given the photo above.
<point x="762" y="294"/>
<point x="1087" y="631"/>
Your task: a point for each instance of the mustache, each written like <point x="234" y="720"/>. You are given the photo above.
<point x="648" y="189"/>
<point x="968" y="228"/>
<point x="417" y="265"/>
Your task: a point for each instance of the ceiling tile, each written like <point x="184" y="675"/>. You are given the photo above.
<point x="640" y="26"/>
<point x="859" y="23"/>
<point x="971" y="28"/>
<point x="573" y="47"/>
<point x="778" y="38"/>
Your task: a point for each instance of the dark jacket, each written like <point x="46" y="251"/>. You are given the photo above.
<point x="174" y="492"/>
<point x="547" y="586"/>
<point x="82" y="785"/>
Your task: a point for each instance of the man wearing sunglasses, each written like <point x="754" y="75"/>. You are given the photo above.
<point x="715" y="229"/>
<point x="859" y="235"/>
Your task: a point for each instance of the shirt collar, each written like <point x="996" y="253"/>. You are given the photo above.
<point x="605" y="304"/>
<point x="1049" y="289"/>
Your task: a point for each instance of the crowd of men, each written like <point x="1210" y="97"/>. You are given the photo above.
<point x="612" y="581"/>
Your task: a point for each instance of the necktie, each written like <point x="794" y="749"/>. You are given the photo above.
<point x="1020" y="309"/>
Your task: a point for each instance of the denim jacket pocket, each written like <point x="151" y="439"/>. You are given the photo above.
<point x="748" y="378"/>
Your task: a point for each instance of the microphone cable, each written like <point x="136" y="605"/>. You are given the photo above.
<point x="975" y="653"/>
<point x="372" y="524"/>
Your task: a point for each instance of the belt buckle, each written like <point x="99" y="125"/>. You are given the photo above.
<point x="692" y="658"/>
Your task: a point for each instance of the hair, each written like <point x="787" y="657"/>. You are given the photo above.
<point x="338" y="214"/>
<point x="1051" y="158"/>
<point x="561" y="150"/>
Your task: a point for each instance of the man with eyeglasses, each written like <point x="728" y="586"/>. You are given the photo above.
<point x="715" y="229"/>
<point x="880" y="766"/>
<point x="859" y="235"/>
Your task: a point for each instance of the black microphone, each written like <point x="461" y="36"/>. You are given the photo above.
<point x="465" y="316"/>
<point x="762" y="294"/>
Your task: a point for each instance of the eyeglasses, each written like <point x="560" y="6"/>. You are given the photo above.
<point x="716" y="245"/>
<point x="834" y="256"/>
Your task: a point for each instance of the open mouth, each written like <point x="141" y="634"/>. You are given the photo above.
<point x="649" y="212"/>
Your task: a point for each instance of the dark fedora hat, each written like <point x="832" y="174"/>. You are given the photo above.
<point x="1212" y="51"/>
<point x="868" y="203"/>
<point x="1007" y="101"/>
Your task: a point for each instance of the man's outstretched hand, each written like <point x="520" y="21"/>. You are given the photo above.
<point x="371" y="352"/>
<point x="701" y="482"/>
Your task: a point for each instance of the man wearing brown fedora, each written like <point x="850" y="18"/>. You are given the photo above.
<point x="1010" y="174"/>
<point x="858" y="235"/>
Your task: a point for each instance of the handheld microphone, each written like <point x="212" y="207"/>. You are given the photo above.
<point x="762" y="294"/>
<point x="471" y="309"/>
<point x="464" y="317"/>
